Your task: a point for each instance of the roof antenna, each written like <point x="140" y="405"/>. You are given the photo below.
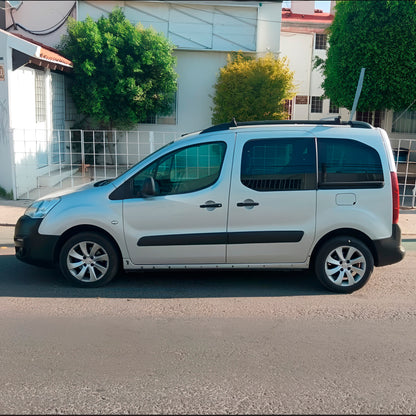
<point x="357" y="93"/>
<point x="233" y="122"/>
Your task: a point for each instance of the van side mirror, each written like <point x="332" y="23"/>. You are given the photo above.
<point x="149" y="187"/>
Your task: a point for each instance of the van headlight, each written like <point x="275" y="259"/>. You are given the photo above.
<point x="39" y="209"/>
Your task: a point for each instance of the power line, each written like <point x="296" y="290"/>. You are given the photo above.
<point x="42" y="32"/>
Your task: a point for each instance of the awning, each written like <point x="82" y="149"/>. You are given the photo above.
<point x="28" y="51"/>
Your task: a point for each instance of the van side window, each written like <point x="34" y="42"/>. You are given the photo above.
<point x="348" y="164"/>
<point x="185" y="170"/>
<point x="287" y="164"/>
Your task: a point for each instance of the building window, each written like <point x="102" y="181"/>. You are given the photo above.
<point x="404" y="122"/>
<point x="40" y="96"/>
<point x="169" y="118"/>
<point x="58" y="101"/>
<point x="333" y="108"/>
<point x="58" y="115"/>
<point x="70" y="109"/>
<point x="372" y="117"/>
<point x="289" y="109"/>
<point x="320" y="41"/>
<point x="316" y="105"/>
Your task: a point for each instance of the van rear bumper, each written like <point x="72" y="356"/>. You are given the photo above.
<point x="389" y="250"/>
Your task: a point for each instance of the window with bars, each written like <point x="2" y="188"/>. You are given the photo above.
<point x="320" y="41"/>
<point x="373" y="117"/>
<point x="40" y="96"/>
<point x="58" y="117"/>
<point x="289" y="109"/>
<point x="70" y="109"/>
<point x="316" y="104"/>
<point x="333" y="109"/>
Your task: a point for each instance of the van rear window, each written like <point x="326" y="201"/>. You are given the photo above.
<point x="345" y="163"/>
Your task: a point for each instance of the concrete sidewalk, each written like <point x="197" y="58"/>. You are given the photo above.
<point x="10" y="211"/>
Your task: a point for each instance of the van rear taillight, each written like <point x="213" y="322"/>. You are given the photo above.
<point x="395" y="196"/>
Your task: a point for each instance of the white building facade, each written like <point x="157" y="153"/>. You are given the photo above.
<point x="203" y="34"/>
<point x="303" y="38"/>
<point x="32" y="101"/>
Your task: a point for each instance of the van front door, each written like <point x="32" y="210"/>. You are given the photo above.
<point x="272" y="200"/>
<point x="184" y="222"/>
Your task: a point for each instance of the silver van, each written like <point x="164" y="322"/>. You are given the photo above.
<point x="259" y="195"/>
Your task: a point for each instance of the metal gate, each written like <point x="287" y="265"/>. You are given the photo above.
<point x="405" y="157"/>
<point x="46" y="160"/>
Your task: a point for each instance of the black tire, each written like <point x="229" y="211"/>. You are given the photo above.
<point x="344" y="264"/>
<point x="89" y="259"/>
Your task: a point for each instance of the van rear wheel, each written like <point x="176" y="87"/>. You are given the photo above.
<point x="344" y="264"/>
<point x="89" y="260"/>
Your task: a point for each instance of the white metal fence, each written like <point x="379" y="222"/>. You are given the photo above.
<point x="405" y="158"/>
<point x="46" y="160"/>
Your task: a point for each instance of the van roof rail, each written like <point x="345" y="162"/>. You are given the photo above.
<point x="335" y="122"/>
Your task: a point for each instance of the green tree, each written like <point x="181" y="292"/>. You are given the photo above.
<point x="379" y="36"/>
<point x="252" y="89"/>
<point x="122" y="73"/>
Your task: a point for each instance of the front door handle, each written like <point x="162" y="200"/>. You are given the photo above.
<point x="247" y="203"/>
<point x="211" y="205"/>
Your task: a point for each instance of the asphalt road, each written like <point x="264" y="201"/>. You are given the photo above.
<point x="206" y="343"/>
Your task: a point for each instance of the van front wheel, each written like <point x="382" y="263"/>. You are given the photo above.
<point x="88" y="260"/>
<point x="344" y="264"/>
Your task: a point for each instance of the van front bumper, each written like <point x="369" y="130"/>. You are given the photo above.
<point x="32" y="247"/>
<point x="389" y="250"/>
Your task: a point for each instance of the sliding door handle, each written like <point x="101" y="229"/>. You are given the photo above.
<point x="247" y="203"/>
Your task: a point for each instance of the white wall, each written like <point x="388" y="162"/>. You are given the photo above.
<point x="23" y="124"/>
<point x="38" y="16"/>
<point x="16" y="102"/>
<point x="299" y="48"/>
<point x="268" y="27"/>
<point x="30" y="140"/>
<point x="6" y="176"/>
<point x="197" y="72"/>
<point x="221" y="26"/>
<point x="22" y="100"/>
<point x="303" y="6"/>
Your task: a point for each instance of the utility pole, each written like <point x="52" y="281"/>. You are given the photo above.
<point x="357" y="93"/>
